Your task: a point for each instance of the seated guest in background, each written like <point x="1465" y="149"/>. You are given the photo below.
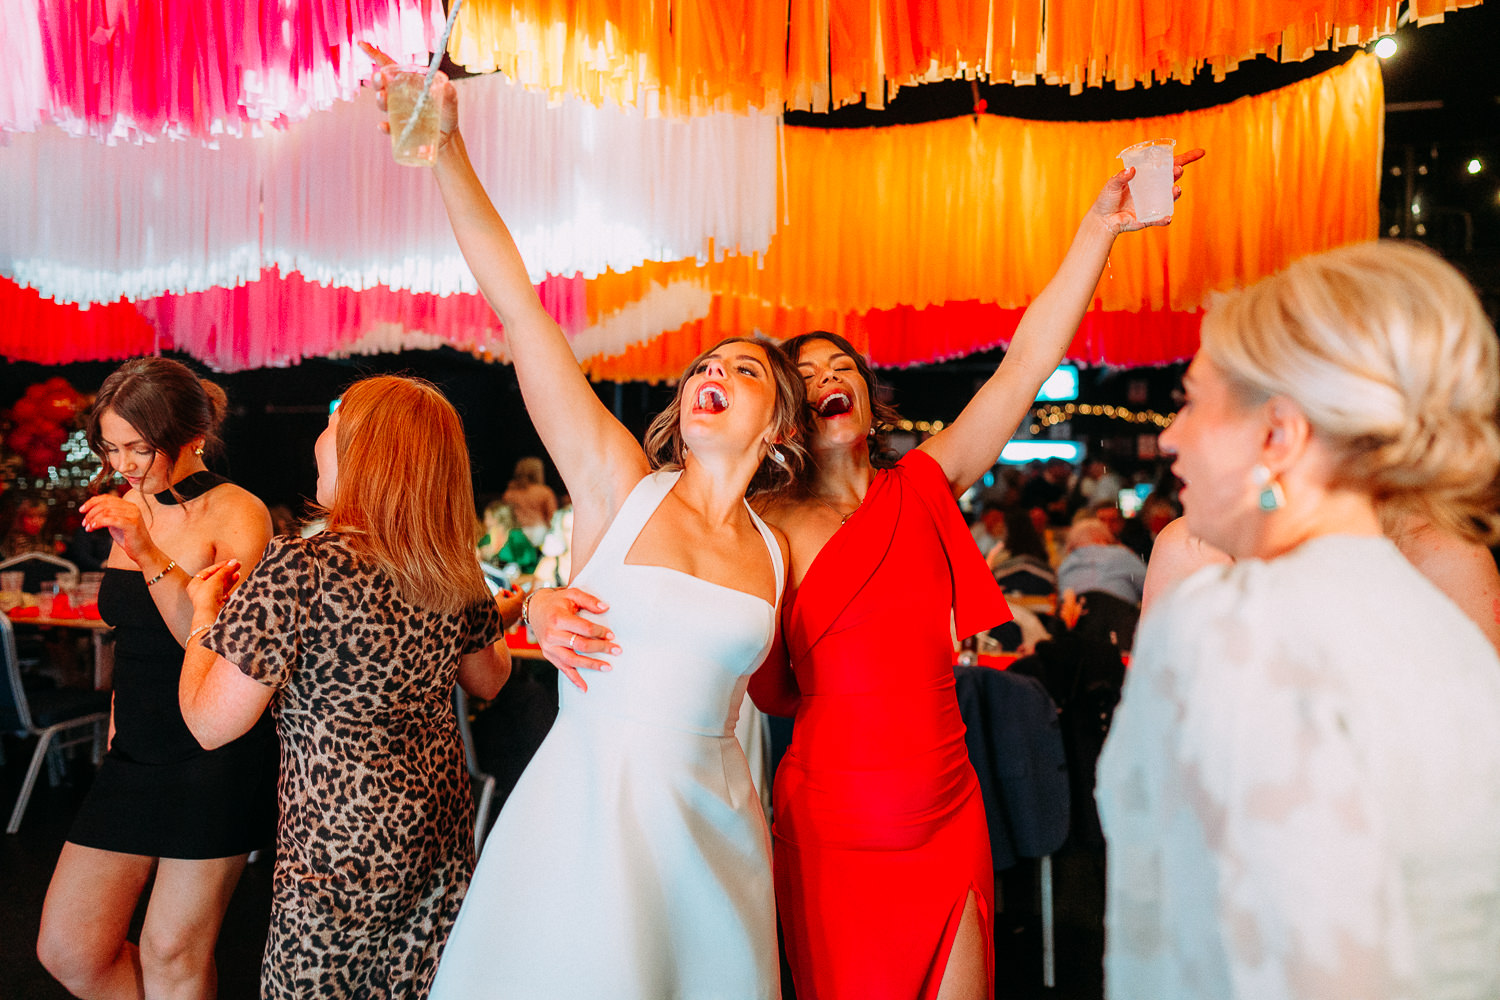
<point x="359" y="634"/>
<point x="1094" y="561"/>
<point x="989" y="530"/>
<point x="1097" y="484"/>
<point x="29" y="531"/>
<point x="1139" y="533"/>
<point x="1108" y="513"/>
<point x="504" y="544"/>
<point x="1022" y="563"/>
<point x="1049" y="491"/>
<point x="1295" y="805"/>
<point x="531" y="500"/>
<point x="160" y="806"/>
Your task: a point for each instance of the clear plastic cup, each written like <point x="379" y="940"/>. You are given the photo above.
<point x="418" y="146"/>
<point x="1151" y="187"/>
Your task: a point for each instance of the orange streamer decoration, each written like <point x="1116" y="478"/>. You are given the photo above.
<point x="898" y="220"/>
<point x="689" y="56"/>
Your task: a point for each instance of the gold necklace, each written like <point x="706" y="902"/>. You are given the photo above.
<point x="843" y="518"/>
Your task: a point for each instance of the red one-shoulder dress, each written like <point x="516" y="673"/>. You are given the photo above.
<point x="879" y="830"/>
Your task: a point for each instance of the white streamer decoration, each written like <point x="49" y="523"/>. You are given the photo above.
<point x="583" y="189"/>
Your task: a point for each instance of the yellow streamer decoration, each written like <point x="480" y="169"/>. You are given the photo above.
<point x="692" y="56"/>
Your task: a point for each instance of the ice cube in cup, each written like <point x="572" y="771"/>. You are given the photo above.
<point x="402" y="90"/>
<point x="1151" y="187"/>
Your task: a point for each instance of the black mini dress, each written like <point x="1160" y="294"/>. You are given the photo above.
<point x="158" y="793"/>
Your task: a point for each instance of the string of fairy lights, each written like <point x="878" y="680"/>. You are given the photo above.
<point x="1050" y="416"/>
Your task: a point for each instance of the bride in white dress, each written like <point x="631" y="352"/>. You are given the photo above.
<point x="633" y="859"/>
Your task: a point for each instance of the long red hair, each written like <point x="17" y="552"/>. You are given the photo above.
<point x="404" y="494"/>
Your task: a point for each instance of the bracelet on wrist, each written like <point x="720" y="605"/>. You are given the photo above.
<point x="169" y="567"/>
<point x="526" y="606"/>
<point x="197" y="631"/>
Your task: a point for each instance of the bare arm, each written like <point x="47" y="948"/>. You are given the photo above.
<point x="219" y="702"/>
<point x="598" y="458"/>
<point x="484" y="673"/>
<point x="1175" y="556"/>
<point x="1463" y="570"/>
<point x="970" y="445"/>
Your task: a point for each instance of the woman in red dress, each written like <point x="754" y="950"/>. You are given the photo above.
<point x="884" y="882"/>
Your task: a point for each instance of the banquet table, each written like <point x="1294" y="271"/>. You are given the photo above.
<point x="99" y="632"/>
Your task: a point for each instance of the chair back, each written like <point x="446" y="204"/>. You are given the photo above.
<point x="15" y="714"/>
<point x="40" y="568"/>
<point x="1016" y="747"/>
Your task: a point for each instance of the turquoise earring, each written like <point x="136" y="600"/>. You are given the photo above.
<point x="1271" y="495"/>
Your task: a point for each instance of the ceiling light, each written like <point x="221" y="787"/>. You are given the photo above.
<point x="1386" y="47"/>
<point x="1475" y="165"/>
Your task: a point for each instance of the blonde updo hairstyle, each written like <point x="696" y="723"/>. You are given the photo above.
<point x="1387" y="351"/>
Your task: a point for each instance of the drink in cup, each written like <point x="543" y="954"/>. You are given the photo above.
<point x="1151" y="187"/>
<point x="417" y="146"/>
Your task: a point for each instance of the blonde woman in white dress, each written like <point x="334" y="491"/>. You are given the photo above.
<point x="1301" y="799"/>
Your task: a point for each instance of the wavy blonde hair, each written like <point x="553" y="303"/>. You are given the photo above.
<point x="1387" y="351"/>
<point x="404" y="495"/>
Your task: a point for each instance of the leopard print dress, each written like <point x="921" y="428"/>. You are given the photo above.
<point x="375" y="839"/>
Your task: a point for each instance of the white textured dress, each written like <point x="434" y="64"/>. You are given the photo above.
<point x="1301" y="788"/>
<point x="633" y="860"/>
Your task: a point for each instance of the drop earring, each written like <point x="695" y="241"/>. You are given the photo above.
<point x="776" y="455"/>
<point x="1271" y="495"/>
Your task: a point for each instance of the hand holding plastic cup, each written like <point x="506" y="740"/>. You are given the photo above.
<point x="1151" y="187"/>
<point x="414" y="140"/>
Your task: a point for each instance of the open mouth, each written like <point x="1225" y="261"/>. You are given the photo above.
<point x="835" y="404"/>
<point x="711" y="399"/>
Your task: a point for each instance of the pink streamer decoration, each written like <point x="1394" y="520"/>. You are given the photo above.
<point x="273" y="322"/>
<point x="185" y="67"/>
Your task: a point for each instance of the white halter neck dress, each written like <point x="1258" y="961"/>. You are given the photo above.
<point x="632" y="860"/>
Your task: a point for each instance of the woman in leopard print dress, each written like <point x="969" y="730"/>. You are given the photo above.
<point x="356" y="637"/>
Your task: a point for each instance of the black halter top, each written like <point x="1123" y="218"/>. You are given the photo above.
<point x="189" y="488"/>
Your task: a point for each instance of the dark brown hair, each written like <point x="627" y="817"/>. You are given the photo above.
<point x="664" y="445"/>
<point x="165" y="402"/>
<point x="884" y="417"/>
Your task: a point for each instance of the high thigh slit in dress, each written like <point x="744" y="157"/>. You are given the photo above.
<point x="879" y="830"/>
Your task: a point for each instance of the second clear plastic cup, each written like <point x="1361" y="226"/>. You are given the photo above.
<point x="1151" y="187"/>
<point x="417" y="148"/>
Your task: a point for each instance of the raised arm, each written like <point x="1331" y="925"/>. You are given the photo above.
<point x="596" y="456"/>
<point x="970" y="445"/>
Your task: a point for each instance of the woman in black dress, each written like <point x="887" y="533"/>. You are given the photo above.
<point x="159" y="801"/>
